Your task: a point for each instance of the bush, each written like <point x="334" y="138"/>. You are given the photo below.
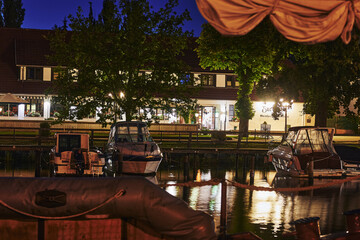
<point x="44" y="129"/>
<point x="218" y="136"/>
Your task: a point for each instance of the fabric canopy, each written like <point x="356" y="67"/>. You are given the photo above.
<point x="10" y="98"/>
<point x="307" y="21"/>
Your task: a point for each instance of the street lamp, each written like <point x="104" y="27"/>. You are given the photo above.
<point x="285" y="106"/>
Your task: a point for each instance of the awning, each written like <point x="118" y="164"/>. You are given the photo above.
<point x="308" y="21"/>
<point x="11" y="99"/>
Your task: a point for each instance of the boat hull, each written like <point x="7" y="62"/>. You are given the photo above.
<point x="290" y="168"/>
<point x="140" y="167"/>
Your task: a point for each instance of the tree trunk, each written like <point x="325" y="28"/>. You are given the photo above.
<point x="243" y="130"/>
<point x="321" y="114"/>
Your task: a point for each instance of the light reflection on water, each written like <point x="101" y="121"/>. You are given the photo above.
<point x="268" y="213"/>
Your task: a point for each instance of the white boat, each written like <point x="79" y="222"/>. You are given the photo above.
<point x="131" y="150"/>
<point x="72" y="156"/>
<point x="307" y="152"/>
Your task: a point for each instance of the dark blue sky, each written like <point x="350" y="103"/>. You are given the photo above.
<point x="44" y="14"/>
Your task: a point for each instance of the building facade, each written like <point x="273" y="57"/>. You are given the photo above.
<point x="26" y="73"/>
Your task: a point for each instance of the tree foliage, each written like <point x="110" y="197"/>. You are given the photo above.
<point x="251" y="57"/>
<point x="11" y="13"/>
<point x="325" y="76"/>
<point x="125" y="60"/>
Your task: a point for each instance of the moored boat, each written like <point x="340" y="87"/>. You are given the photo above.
<point x="72" y="156"/>
<point x="307" y="152"/>
<point x="131" y="150"/>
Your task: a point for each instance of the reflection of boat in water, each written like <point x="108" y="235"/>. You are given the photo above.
<point x="72" y="156"/>
<point x="307" y="151"/>
<point x="131" y="150"/>
<point x="96" y="208"/>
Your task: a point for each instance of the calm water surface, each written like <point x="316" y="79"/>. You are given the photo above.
<point x="267" y="214"/>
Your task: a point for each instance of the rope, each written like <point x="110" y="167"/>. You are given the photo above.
<point x="214" y="181"/>
<point x="120" y="193"/>
<point x="258" y="188"/>
<point x="298" y="189"/>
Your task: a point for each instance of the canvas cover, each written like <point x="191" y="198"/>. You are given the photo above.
<point x="122" y="197"/>
<point x="308" y="21"/>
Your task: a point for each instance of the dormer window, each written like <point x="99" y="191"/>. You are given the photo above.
<point x="231" y="81"/>
<point x="208" y="80"/>
<point x="34" y="73"/>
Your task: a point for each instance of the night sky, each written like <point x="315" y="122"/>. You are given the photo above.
<point x="44" y="14"/>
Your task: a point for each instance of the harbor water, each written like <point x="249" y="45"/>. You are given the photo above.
<point x="268" y="214"/>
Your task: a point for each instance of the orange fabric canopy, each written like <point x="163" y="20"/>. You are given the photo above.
<point x="308" y="21"/>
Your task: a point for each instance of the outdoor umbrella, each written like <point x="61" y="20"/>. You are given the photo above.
<point x="11" y="99"/>
<point x="307" y="21"/>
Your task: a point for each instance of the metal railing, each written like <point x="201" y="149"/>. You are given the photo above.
<point x="18" y="134"/>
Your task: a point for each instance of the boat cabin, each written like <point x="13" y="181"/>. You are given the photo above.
<point x="72" y="155"/>
<point x="306" y="149"/>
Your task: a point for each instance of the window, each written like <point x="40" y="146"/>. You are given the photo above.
<point x="186" y="78"/>
<point x="208" y="79"/>
<point x="231" y="112"/>
<point x="54" y="74"/>
<point x="34" y="73"/>
<point x="231" y="81"/>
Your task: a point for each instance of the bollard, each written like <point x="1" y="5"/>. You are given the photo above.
<point x="307" y="228"/>
<point x="353" y="221"/>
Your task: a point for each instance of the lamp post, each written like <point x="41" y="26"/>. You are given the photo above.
<point x="285" y="107"/>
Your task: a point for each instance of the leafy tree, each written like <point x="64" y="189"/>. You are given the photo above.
<point x="102" y="62"/>
<point x="250" y="56"/>
<point x="12" y="13"/>
<point x="325" y="75"/>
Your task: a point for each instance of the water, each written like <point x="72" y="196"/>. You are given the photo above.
<point x="267" y="214"/>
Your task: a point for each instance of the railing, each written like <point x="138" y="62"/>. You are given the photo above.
<point x="98" y="137"/>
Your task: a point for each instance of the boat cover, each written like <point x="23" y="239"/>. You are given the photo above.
<point x="131" y="197"/>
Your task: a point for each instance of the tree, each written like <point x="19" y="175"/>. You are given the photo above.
<point x="325" y="75"/>
<point x="250" y="56"/>
<point x="12" y="13"/>
<point x="125" y="62"/>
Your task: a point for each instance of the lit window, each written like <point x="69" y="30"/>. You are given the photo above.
<point x="54" y="74"/>
<point x="187" y="78"/>
<point x="231" y="112"/>
<point x="231" y="81"/>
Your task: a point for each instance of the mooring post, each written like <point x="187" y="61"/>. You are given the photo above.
<point x="252" y="171"/>
<point x="236" y="166"/>
<point x="189" y="141"/>
<point x="311" y="171"/>
<point x="186" y="168"/>
<point x="245" y="162"/>
<point x="223" y="213"/>
<point x="37" y="163"/>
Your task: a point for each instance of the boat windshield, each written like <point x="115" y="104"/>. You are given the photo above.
<point x="133" y="133"/>
<point x="69" y="142"/>
<point x="313" y="140"/>
<point x="290" y="139"/>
